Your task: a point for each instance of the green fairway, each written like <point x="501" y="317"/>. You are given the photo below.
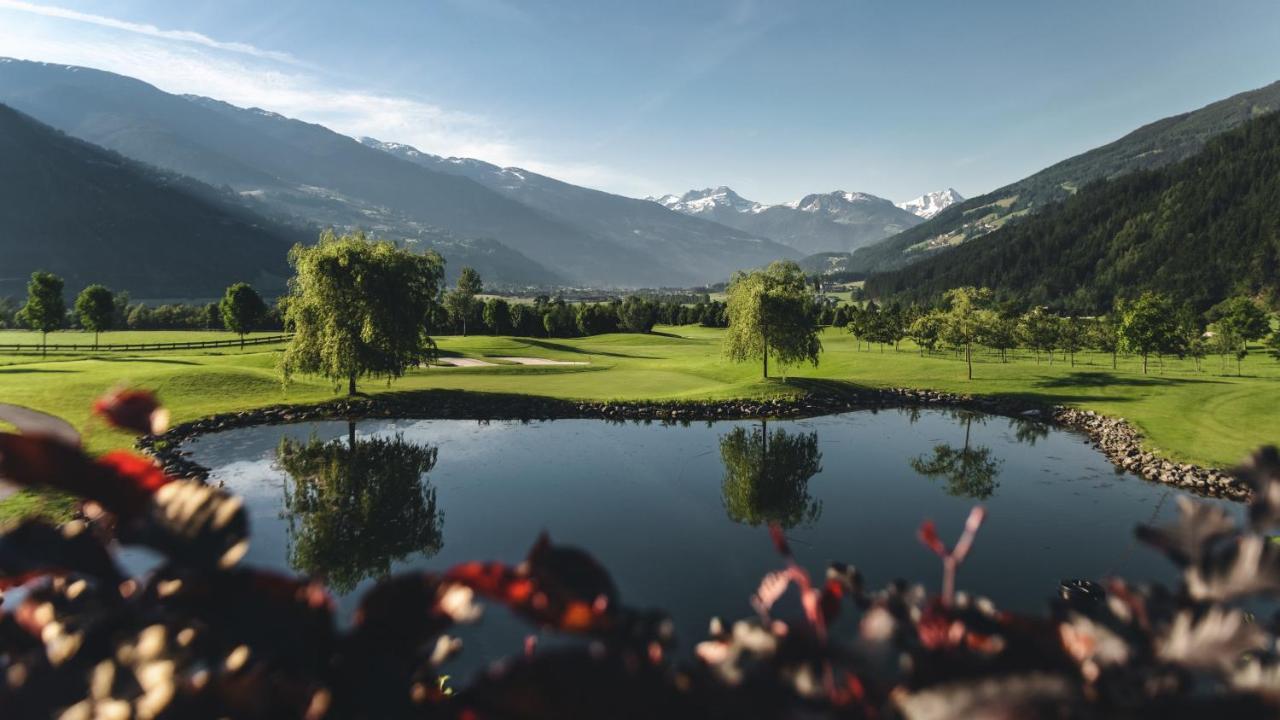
<point x="1199" y="416"/>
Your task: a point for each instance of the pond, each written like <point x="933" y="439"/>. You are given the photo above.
<point x="678" y="514"/>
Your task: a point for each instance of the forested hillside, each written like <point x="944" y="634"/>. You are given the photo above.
<point x="1198" y="230"/>
<point x="93" y="216"/>
<point x="1155" y="145"/>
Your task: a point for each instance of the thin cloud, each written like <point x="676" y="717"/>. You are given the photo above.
<point x="186" y="36"/>
<point x="171" y="61"/>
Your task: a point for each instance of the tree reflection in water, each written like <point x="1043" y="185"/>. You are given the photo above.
<point x="355" y="507"/>
<point x="968" y="471"/>
<point x="766" y="476"/>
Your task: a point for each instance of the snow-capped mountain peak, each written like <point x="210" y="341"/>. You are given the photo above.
<point x="930" y="204"/>
<point x="697" y="202"/>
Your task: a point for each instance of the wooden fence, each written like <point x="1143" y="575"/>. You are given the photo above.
<point x="116" y="347"/>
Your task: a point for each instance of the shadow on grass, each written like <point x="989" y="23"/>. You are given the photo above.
<point x="1092" y="378"/>
<point x="160" y="361"/>
<point x="24" y="370"/>
<point x="845" y="388"/>
<point x="548" y="345"/>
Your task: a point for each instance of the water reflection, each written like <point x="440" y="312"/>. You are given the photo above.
<point x="766" y="476"/>
<point x="353" y="507"/>
<point x="969" y="471"/>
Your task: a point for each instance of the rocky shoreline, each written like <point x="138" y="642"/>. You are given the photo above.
<point x="1114" y="437"/>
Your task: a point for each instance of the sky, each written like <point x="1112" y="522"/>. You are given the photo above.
<point x="776" y="99"/>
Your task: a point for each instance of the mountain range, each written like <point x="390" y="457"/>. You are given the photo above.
<point x="930" y="204"/>
<point x="837" y="221"/>
<point x="92" y="215"/>
<point x="1152" y="146"/>
<point x="1201" y="229"/>
<point x="307" y="173"/>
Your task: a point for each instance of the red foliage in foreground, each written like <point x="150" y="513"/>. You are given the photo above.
<point x="203" y="637"/>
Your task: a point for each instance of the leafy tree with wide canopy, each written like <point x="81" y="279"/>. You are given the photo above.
<point x="96" y="309"/>
<point x="968" y="471"/>
<point x="45" y="310"/>
<point x="358" y="308"/>
<point x="1148" y="325"/>
<point x="966" y="318"/>
<point x="771" y="312"/>
<point x="242" y="308"/>
<point x="766" y="476"/>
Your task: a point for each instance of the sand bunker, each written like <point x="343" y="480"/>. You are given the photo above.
<point x="539" y="361"/>
<point x="464" y="362"/>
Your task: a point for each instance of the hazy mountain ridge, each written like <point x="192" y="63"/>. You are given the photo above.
<point x="819" y="222"/>
<point x="94" y="216"/>
<point x="307" y="171"/>
<point x="1154" y="145"/>
<point x="696" y="250"/>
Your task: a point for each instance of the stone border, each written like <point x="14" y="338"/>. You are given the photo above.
<point x="1114" y="437"/>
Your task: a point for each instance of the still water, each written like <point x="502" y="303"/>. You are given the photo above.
<point x="678" y="514"/>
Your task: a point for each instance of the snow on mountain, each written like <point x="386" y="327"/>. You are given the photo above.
<point x="708" y="200"/>
<point x="930" y="204"/>
<point x="835" y="221"/>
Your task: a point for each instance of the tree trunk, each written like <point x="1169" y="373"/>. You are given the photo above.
<point x="241" y="341"/>
<point x="351" y="384"/>
<point x="1144" y="363"/>
<point x="95" y="339"/>
<point x="968" y="356"/>
<point x="44" y="344"/>
<point x="351" y="434"/>
<point x="1114" y="353"/>
<point x="766" y="362"/>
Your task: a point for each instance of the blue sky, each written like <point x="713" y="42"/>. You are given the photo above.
<point x="777" y="99"/>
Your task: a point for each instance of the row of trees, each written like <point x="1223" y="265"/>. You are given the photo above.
<point x="1151" y="325"/>
<point x="97" y="309"/>
<point x="462" y="311"/>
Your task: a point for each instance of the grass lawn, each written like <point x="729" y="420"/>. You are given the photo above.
<point x="1199" y="416"/>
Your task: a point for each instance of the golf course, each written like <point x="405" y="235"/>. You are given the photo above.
<point x="1210" y="416"/>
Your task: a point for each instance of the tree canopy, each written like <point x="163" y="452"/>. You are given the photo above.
<point x="358" y="308"/>
<point x="771" y="312"/>
<point x="45" y="310"/>
<point x="241" y="308"/>
<point x="96" y="309"/>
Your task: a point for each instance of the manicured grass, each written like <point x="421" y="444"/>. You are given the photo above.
<point x="1199" y="416"/>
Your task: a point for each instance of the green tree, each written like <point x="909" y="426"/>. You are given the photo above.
<point x="766" y="476"/>
<point x="1039" y="331"/>
<point x="1104" y="336"/>
<point x="965" y="318"/>
<point x="1147" y="325"/>
<point x="497" y="316"/>
<point x="559" y="319"/>
<point x="355" y="507"/>
<point x="1273" y="344"/>
<point x="1072" y="336"/>
<point x="1000" y="333"/>
<point x="45" y="310"/>
<point x="596" y="318"/>
<point x="357" y="307"/>
<point x="770" y="312"/>
<point x="1243" y="320"/>
<point x="96" y="309"/>
<point x="242" y="307"/>
<point x="462" y="301"/>
<point x="926" y="331"/>
<point x="636" y="314"/>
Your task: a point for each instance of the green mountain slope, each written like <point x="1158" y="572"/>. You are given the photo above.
<point x="91" y="215"/>
<point x="1152" y="146"/>
<point x="1199" y="230"/>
